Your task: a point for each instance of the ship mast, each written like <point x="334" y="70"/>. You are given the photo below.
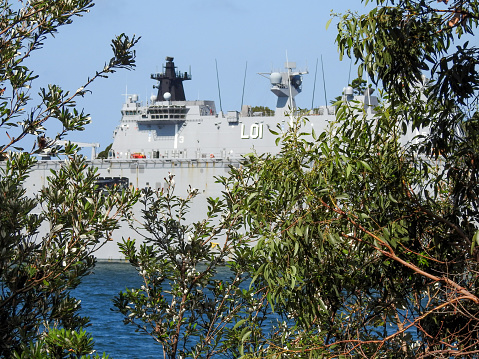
<point x="285" y="85"/>
<point x="170" y="81"/>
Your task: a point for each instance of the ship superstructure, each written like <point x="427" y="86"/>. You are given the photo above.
<point x="190" y="139"/>
<point x="170" y="127"/>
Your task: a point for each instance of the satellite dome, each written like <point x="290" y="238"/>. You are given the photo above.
<point x="152" y="98"/>
<point x="275" y="78"/>
<point x="167" y="96"/>
<point x="348" y="91"/>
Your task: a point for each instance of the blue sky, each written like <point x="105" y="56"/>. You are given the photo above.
<point x="196" y="33"/>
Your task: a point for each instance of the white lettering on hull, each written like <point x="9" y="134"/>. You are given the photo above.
<point x="175" y="144"/>
<point x="255" y="131"/>
<point x="243" y="135"/>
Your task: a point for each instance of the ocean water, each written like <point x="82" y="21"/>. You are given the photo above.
<point x="111" y="336"/>
<point x="109" y="333"/>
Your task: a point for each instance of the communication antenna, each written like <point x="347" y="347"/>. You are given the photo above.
<point x="126" y="93"/>
<point x="314" y="84"/>
<point x="324" y="82"/>
<point x="369" y="92"/>
<point x="244" y="84"/>
<point x="290" y="91"/>
<point x="218" y="79"/>
<point x="349" y="76"/>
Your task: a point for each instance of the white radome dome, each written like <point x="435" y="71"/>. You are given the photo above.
<point x="275" y="78"/>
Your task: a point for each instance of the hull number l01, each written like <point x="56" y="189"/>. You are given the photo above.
<point x="255" y="131"/>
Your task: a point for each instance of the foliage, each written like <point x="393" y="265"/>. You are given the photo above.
<point x="61" y="343"/>
<point x="359" y="85"/>
<point x="368" y="231"/>
<point x="183" y="304"/>
<point x="37" y="271"/>
<point x="104" y="154"/>
<point x="412" y="37"/>
<point x="399" y="46"/>
<point x="262" y="109"/>
<point x="37" y="275"/>
<point x="420" y="36"/>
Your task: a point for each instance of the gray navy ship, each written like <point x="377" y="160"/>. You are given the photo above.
<point x="190" y="139"/>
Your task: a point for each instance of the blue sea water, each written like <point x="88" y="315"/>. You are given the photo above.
<point x="110" y="334"/>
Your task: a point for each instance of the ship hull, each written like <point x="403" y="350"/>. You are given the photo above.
<point x="143" y="173"/>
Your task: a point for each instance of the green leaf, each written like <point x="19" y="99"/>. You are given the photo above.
<point x="392" y="198"/>
<point x="298" y="231"/>
<point x="475" y="241"/>
<point x="365" y="165"/>
<point x="246" y="336"/>
<point x="239" y="323"/>
<point x="364" y="216"/>
<point x="328" y="23"/>
<point x="269" y="297"/>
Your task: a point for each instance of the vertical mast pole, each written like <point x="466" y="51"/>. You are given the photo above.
<point x="314" y="85"/>
<point x="218" y="80"/>
<point x="324" y="84"/>
<point x="244" y="84"/>
<point x="290" y="92"/>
